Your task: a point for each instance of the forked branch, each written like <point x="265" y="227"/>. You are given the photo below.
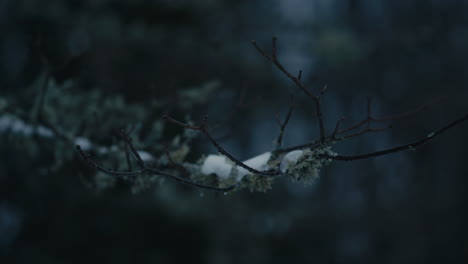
<point x="296" y="80"/>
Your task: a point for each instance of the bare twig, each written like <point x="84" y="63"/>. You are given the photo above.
<point x="127" y="157"/>
<point x="337" y="126"/>
<point x="409" y="146"/>
<point x="335" y="137"/>
<point x="279" y="140"/>
<point x="297" y="80"/>
<point x="412" y="112"/>
<point x="370" y="118"/>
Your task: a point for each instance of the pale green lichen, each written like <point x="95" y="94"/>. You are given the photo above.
<point x="256" y="183"/>
<point x="307" y="168"/>
<point x="196" y="176"/>
<point x="178" y="155"/>
<point x="231" y="180"/>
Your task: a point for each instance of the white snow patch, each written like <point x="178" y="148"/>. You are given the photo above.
<point x="84" y="143"/>
<point x="259" y="163"/>
<point x="45" y="132"/>
<point x="12" y="124"/>
<point x="145" y="156"/>
<point x="222" y="166"/>
<point x="289" y="159"/>
<point x="218" y="165"/>
<point x="17" y="126"/>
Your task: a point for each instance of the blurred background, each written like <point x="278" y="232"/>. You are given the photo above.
<point x="127" y="62"/>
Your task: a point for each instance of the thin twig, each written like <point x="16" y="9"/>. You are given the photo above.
<point x="333" y="138"/>
<point x="279" y="140"/>
<point x="410" y="146"/>
<point x="370" y="118"/>
<point x="412" y="112"/>
<point x="127" y="157"/>
<point x="203" y="129"/>
<point x="297" y="80"/>
<point x="337" y="126"/>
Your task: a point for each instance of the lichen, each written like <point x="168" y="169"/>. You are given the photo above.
<point x="257" y="183"/>
<point x="231" y="180"/>
<point x="307" y="168"/>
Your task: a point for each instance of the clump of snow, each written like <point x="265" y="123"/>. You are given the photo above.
<point x="17" y="126"/>
<point x="290" y="159"/>
<point x="145" y="156"/>
<point x="217" y="164"/>
<point x="84" y="143"/>
<point x="259" y="163"/>
<point x="44" y="132"/>
<point x="222" y="166"/>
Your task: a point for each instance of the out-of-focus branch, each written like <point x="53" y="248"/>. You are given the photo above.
<point x="146" y="169"/>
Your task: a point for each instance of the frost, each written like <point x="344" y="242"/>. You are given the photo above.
<point x="290" y="159"/>
<point x="223" y="167"/>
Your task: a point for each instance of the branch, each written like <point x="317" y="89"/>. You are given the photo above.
<point x="335" y="136"/>
<point x="283" y="124"/>
<point x="370" y="118"/>
<point x="297" y="80"/>
<point x="145" y="169"/>
<point x="410" y="146"/>
<point x="203" y="129"/>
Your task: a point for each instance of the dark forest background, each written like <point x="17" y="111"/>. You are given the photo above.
<point x="410" y="207"/>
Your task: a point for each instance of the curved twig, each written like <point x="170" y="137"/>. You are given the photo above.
<point x="409" y="146"/>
